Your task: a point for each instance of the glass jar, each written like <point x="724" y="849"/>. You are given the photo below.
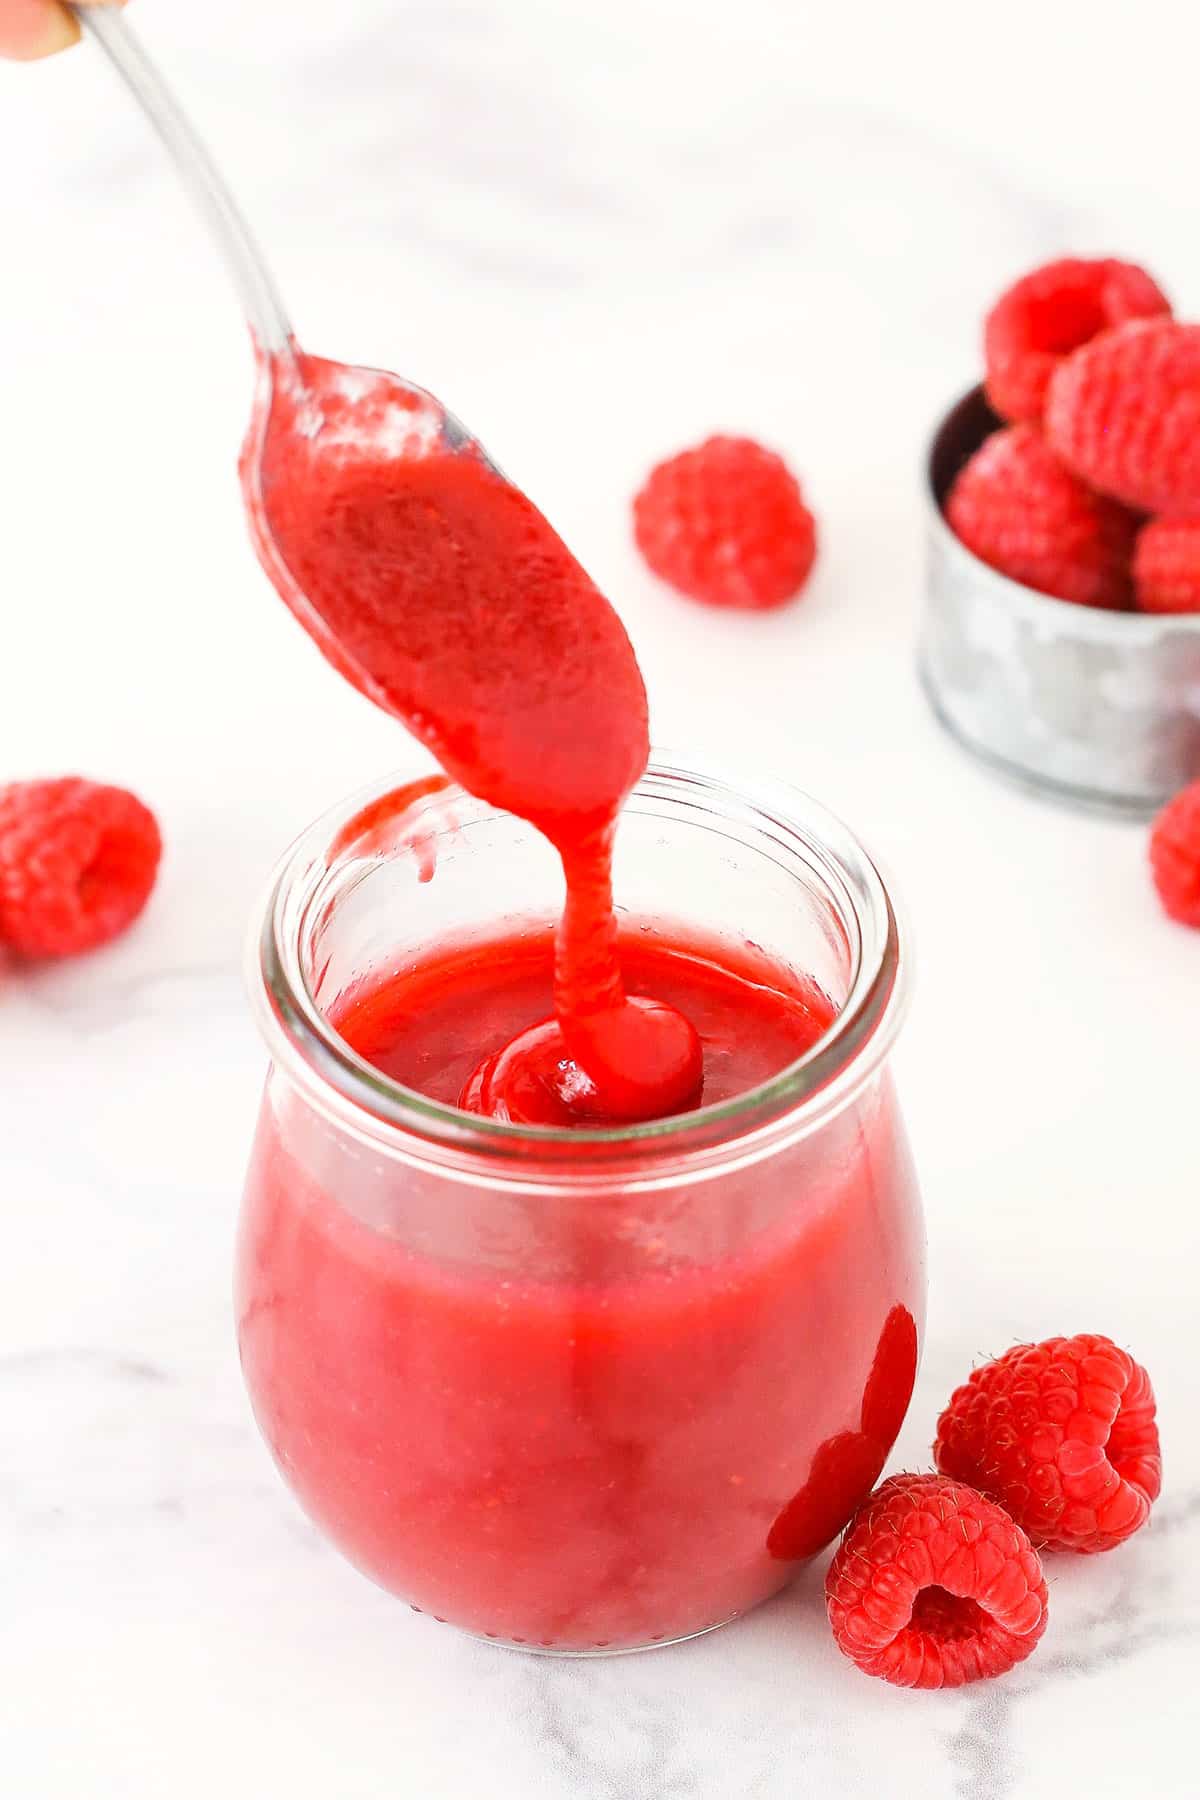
<point x="579" y="1391"/>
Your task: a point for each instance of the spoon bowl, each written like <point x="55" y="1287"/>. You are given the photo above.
<point x="337" y="415"/>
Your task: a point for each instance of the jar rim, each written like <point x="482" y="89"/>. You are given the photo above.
<point x="357" y="1096"/>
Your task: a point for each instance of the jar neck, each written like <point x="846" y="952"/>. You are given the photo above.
<point x="767" y="823"/>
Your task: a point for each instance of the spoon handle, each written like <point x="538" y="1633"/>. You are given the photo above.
<point x="260" y="299"/>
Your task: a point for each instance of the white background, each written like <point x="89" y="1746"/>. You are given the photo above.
<point x="597" y="233"/>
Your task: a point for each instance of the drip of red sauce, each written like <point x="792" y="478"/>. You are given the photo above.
<point x="373" y="827"/>
<point x="440" y="591"/>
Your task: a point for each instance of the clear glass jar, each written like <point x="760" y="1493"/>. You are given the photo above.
<point x="579" y="1391"/>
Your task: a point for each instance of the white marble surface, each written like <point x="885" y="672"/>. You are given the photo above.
<point x="596" y="232"/>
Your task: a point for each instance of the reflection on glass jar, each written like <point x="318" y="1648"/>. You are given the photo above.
<point x="578" y="1390"/>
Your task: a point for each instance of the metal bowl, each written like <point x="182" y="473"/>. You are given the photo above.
<point x="1099" y="709"/>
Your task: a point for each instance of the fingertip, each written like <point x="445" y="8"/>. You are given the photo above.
<point x="34" y="29"/>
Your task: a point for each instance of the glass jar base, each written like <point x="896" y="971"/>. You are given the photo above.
<point x="591" y="1650"/>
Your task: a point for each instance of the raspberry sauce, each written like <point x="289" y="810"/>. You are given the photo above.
<point x="581" y="1420"/>
<point x="436" y="1027"/>
<point x="440" y="591"/>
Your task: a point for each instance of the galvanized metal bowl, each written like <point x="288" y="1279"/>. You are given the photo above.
<point x="1099" y="709"/>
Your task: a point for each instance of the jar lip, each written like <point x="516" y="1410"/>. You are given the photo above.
<point x="308" y="1048"/>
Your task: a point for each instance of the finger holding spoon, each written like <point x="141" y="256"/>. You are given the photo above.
<point x="33" y="29"/>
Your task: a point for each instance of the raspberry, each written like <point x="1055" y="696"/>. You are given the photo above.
<point x="1051" y="312"/>
<point x="77" y="863"/>
<point x="934" y="1586"/>
<point x="726" y="523"/>
<point x="1166" y="566"/>
<point x="1124" y="413"/>
<point x="1017" y="508"/>
<point x="1063" y="1435"/>
<point x="1175" y="856"/>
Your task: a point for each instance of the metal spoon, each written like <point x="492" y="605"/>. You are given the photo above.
<point x="399" y="411"/>
<point x="315" y="419"/>
<point x="330" y="410"/>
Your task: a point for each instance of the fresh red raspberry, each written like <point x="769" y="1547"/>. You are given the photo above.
<point x="1051" y="312"/>
<point x="1175" y="856"/>
<point x="1063" y="1435"/>
<point x="934" y="1586"/>
<point x="1017" y="508"/>
<point x="1124" y="413"/>
<point x="1166" y="566"/>
<point x="77" y="863"/>
<point x="726" y="523"/>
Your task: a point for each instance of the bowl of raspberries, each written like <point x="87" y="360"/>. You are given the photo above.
<point x="1061" y="636"/>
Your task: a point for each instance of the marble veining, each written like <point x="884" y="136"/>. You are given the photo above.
<point x="1137" y="1615"/>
